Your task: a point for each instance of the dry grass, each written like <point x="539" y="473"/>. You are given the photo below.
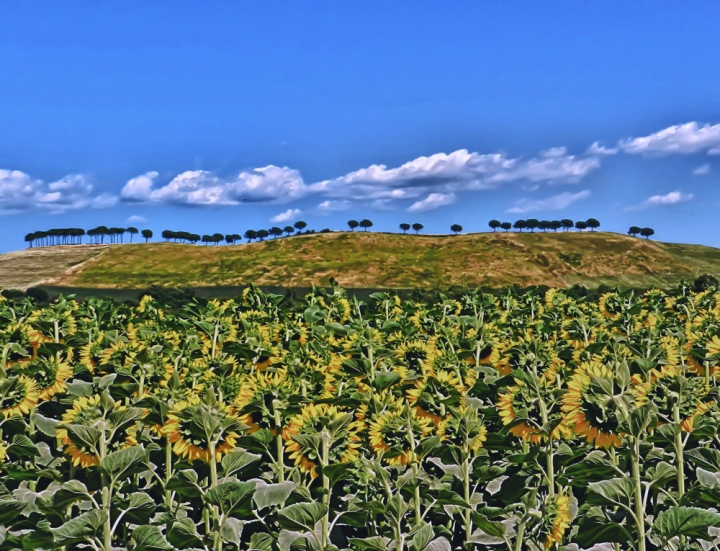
<point x="371" y="260"/>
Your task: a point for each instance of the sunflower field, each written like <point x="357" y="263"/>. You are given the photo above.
<point x="516" y="421"/>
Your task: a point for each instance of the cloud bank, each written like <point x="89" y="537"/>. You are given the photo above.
<point x="19" y="192"/>
<point x="682" y="139"/>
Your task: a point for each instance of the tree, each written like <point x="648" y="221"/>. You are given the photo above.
<point x="353" y="224"/>
<point x="29" y="238"/>
<point x="217" y="238"/>
<point x="519" y="225"/>
<point x="132" y="231"/>
<point x="634" y="230"/>
<point x="417" y="227"/>
<point x="229" y="239"/>
<point x="250" y="235"/>
<point x="567" y="223"/>
<point x="365" y="224"/>
<point x="299" y="225"/>
<point x="592" y="223"/>
<point x="531" y="224"/>
<point x="556" y="225"/>
<point x="647" y="232"/>
<point x="544" y="225"/>
<point x="456" y="228"/>
<point x="494" y="224"/>
<point x="275" y="231"/>
<point x="580" y="225"/>
<point x="288" y="230"/>
<point x="147" y="234"/>
<point x="262" y="234"/>
<point x="506" y="226"/>
<point x="404" y="227"/>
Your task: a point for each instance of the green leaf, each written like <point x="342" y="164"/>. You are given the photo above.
<point x="70" y="492"/>
<point x="301" y="516"/>
<point x="79" y="388"/>
<point x="337" y="472"/>
<point x="422" y="537"/>
<point x="22" y="447"/>
<point x="494" y="529"/>
<point x="83" y="436"/>
<point x="232" y="530"/>
<point x="184" y="534"/>
<point x="125" y="462"/>
<point x="261" y="542"/>
<point x="87" y="525"/>
<point x="234" y="461"/>
<point x="385" y="380"/>
<point x="374" y="543"/>
<point x="611" y="492"/>
<point x="708" y="479"/>
<point x="149" y="538"/>
<point x="267" y="495"/>
<point x="593" y="529"/>
<point x="139" y="508"/>
<point x="185" y="483"/>
<point x="233" y="498"/>
<point x="690" y="522"/>
<point x="10" y="509"/>
<point x="45" y="425"/>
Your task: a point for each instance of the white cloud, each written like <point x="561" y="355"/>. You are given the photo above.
<point x="556" y="202"/>
<point x="702" y="170"/>
<point x="287" y="216"/>
<point x="432" y="201"/>
<point x="270" y="184"/>
<point x="672" y="198"/>
<point x="332" y="206"/>
<point x="598" y="149"/>
<point x="19" y="192"/>
<point x="682" y="139"/>
<point x="134" y="219"/>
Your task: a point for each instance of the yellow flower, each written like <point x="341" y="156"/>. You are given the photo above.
<point x="560" y="518"/>
<point x="579" y="411"/>
<point x="391" y="431"/>
<point x="314" y="419"/>
<point x="19" y="396"/>
<point x="3" y="451"/>
<point x="189" y="439"/>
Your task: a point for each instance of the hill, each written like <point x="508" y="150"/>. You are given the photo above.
<point x="370" y="260"/>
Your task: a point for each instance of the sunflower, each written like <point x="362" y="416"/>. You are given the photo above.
<point x="309" y="424"/>
<point x="431" y="395"/>
<point x="18" y="396"/>
<point x="588" y="409"/>
<point x="188" y="429"/>
<point x="88" y="410"/>
<point x="610" y="306"/>
<point x="663" y="386"/>
<point x="557" y="514"/>
<point x="3" y="452"/>
<point x="464" y="429"/>
<point x="50" y="374"/>
<point x="507" y="403"/>
<point x="391" y="431"/>
<point x="257" y="394"/>
<point x="416" y="355"/>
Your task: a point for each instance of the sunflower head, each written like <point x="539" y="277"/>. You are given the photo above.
<point x="395" y="435"/>
<point x="593" y="404"/>
<point x="50" y="374"/>
<point x="434" y="394"/>
<point x="322" y="434"/>
<point x="18" y="396"/>
<point x="195" y="427"/>
<point x="557" y="516"/>
<point x="464" y="429"/>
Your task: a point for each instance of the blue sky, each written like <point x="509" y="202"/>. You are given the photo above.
<point x="227" y="116"/>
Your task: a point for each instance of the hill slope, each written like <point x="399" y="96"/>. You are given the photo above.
<point x="370" y="260"/>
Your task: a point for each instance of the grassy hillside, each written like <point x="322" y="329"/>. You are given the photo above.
<point x="392" y="260"/>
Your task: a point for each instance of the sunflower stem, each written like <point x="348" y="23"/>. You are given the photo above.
<point x="638" y="498"/>
<point x="279" y="447"/>
<point x="106" y="495"/>
<point x="679" y="455"/>
<point x="325" y="439"/>
<point x="466" y="492"/>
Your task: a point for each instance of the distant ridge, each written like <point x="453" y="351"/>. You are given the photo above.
<point x="370" y="260"/>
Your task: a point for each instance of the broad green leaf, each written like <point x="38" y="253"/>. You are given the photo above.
<point x="690" y="522"/>
<point x="10" y="510"/>
<point x="234" y="461"/>
<point x="149" y="538"/>
<point x="301" y="516"/>
<point x="139" y="508"/>
<point x="184" y="534"/>
<point x="185" y="483"/>
<point x="594" y="529"/>
<point x="261" y="542"/>
<point x="374" y="543"/>
<point x="87" y="525"/>
<point x="124" y="462"/>
<point x="83" y="436"/>
<point x="232" y="530"/>
<point x="385" y="380"/>
<point x="337" y="472"/>
<point x="617" y="491"/>
<point x="422" y="537"/>
<point x="267" y="495"/>
<point x="707" y="478"/>
<point x="22" y="447"/>
<point x="233" y="498"/>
